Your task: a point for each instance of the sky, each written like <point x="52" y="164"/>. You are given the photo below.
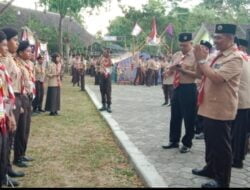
<point x="101" y="18"/>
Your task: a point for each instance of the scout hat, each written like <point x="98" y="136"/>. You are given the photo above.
<point x="242" y="42"/>
<point x="185" y="37"/>
<point x="10" y="33"/>
<point x="225" y="29"/>
<point x="206" y="43"/>
<point x="23" y="45"/>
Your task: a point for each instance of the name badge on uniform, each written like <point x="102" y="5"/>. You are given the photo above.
<point x="217" y="66"/>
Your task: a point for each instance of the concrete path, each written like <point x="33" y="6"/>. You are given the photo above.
<point x="138" y="111"/>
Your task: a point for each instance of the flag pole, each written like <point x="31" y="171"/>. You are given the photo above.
<point x="172" y="44"/>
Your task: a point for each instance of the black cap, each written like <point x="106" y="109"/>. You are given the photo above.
<point x="23" y="45"/>
<point x="2" y="36"/>
<point x="225" y="29"/>
<point x="242" y="42"/>
<point x="10" y="33"/>
<point x="185" y="37"/>
<point x="206" y="43"/>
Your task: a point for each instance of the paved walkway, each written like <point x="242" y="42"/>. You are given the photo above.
<point x="138" y="111"/>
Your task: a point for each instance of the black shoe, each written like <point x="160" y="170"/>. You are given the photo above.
<point x="9" y="182"/>
<point x="202" y="173"/>
<point x="170" y="146"/>
<point x="165" y="104"/>
<point x="237" y="164"/>
<point x="211" y="184"/>
<point x="12" y="173"/>
<point x="56" y="113"/>
<point x="27" y="159"/>
<point x="52" y="114"/>
<point x="184" y="149"/>
<point x="104" y="108"/>
<point x="109" y="110"/>
<point x="41" y="110"/>
<point x="21" y="164"/>
<point x="200" y="136"/>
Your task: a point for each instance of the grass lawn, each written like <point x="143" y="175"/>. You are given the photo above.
<point x="75" y="149"/>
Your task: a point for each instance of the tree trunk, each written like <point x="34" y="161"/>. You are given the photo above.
<point x="60" y="36"/>
<point x="6" y="6"/>
<point x="67" y="57"/>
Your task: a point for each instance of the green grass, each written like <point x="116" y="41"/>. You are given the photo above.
<point x="76" y="149"/>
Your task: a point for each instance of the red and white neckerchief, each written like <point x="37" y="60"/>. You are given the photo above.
<point x="107" y="64"/>
<point x="58" y="71"/>
<point x="11" y="98"/>
<point x="177" y="76"/>
<point x="31" y="79"/>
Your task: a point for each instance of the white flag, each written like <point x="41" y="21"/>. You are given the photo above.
<point x="137" y="30"/>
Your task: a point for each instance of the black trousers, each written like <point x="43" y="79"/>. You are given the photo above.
<point x="139" y="78"/>
<point x="3" y="156"/>
<point x="150" y="77"/>
<point x="105" y="88"/>
<point x="156" y="77"/>
<point x="97" y="78"/>
<point x="168" y="92"/>
<point x="240" y="135"/>
<point x="11" y="136"/>
<point x="183" y="106"/>
<point x="23" y="129"/>
<point x="218" y="149"/>
<point x="82" y="79"/>
<point x="38" y="101"/>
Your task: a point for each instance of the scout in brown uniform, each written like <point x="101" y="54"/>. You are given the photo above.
<point x="75" y="77"/>
<point x="167" y="84"/>
<point x="156" y="71"/>
<point x="15" y="73"/>
<point x="218" y="102"/>
<point x="241" y="123"/>
<point x="27" y="94"/>
<point x="198" y="121"/>
<point x="150" y="72"/>
<point x="7" y="119"/>
<point x="54" y="85"/>
<point x="139" y="74"/>
<point x="183" y="104"/>
<point x="82" y="69"/>
<point x="105" y="81"/>
<point x="39" y="77"/>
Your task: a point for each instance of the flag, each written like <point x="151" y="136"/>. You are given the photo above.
<point x="170" y="30"/>
<point x="137" y="30"/>
<point x="24" y="36"/>
<point x="152" y="38"/>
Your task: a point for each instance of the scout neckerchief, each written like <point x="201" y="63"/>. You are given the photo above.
<point x="106" y="64"/>
<point x="31" y="79"/>
<point x="11" y="97"/>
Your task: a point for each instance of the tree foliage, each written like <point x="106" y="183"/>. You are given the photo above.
<point x="183" y="19"/>
<point x="68" y="7"/>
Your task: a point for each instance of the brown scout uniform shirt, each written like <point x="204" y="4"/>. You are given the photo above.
<point x="189" y="63"/>
<point x="221" y="100"/>
<point x="39" y="72"/>
<point x="53" y="70"/>
<point x="14" y="71"/>
<point x="244" y="90"/>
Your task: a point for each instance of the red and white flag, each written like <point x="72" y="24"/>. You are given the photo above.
<point x="152" y="39"/>
<point x="137" y="30"/>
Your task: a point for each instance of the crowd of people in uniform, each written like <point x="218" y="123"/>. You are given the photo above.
<point x="22" y="81"/>
<point x="207" y="87"/>
<point x="210" y="91"/>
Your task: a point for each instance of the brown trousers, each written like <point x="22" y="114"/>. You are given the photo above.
<point x="3" y="157"/>
<point x="11" y="136"/>
<point x="218" y="149"/>
<point x="23" y="129"/>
